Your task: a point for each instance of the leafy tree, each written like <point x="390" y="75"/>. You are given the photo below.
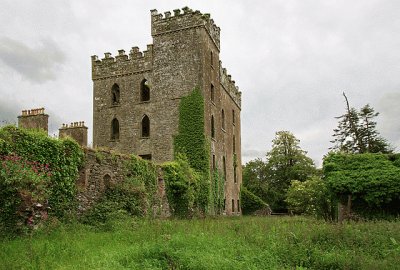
<point x="356" y="132"/>
<point x="311" y="197"/>
<point x="369" y="181"/>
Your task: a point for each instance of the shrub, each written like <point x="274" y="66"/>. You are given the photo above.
<point x="182" y="186"/>
<point x="251" y="202"/>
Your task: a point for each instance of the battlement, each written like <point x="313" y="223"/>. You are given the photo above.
<point x="229" y="85"/>
<point x="74" y="125"/>
<point x="32" y="112"/>
<point x="136" y="61"/>
<point x="182" y="20"/>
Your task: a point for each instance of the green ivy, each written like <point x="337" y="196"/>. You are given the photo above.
<point x="191" y="142"/>
<point x="182" y="186"/>
<point x="251" y="202"/>
<point x="63" y="157"/>
<point x="371" y="179"/>
<point x="217" y="193"/>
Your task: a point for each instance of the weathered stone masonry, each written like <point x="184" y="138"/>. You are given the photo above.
<point x="136" y="97"/>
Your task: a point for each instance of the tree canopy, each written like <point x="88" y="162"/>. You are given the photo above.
<point x="357" y="133"/>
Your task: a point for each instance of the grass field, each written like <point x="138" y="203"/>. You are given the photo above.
<point x="220" y="243"/>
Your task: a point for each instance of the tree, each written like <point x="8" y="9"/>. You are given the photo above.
<point x="368" y="183"/>
<point x="311" y="197"/>
<point x="357" y="133"/>
<point x="286" y="162"/>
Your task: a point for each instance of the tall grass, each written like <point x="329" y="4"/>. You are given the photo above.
<point x="219" y="243"/>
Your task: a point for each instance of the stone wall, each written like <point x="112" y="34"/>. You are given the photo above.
<point x="101" y="170"/>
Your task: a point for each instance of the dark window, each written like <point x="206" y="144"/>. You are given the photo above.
<point x="224" y="204"/>
<point x="115" y="94"/>
<point x="106" y="181"/>
<point x="212" y="127"/>
<point x="238" y="205"/>
<point x="223" y="118"/>
<point x="233" y="205"/>
<point x="233" y="116"/>
<point x="146" y="157"/>
<point x="234" y="174"/>
<point x="234" y="144"/>
<point x="213" y="162"/>
<point x="145" y="126"/>
<point x="224" y="165"/>
<point x="144" y="90"/>
<point x="212" y="58"/>
<point x="115" y="129"/>
<point x="212" y="93"/>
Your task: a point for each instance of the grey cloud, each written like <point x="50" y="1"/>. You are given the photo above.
<point x="38" y="64"/>
<point x="8" y="112"/>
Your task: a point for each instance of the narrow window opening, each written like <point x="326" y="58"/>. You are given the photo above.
<point x="144" y="90"/>
<point x="234" y="174"/>
<point x="224" y="165"/>
<point x="146" y="157"/>
<point x="115" y="94"/>
<point x="145" y="127"/>
<point x="234" y="144"/>
<point x="233" y="205"/>
<point x="213" y="162"/>
<point x="224" y="204"/>
<point x="212" y="127"/>
<point x="238" y="205"/>
<point x="115" y="129"/>
<point x="223" y="118"/>
<point x="212" y="93"/>
<point x="233" y="116"/>
<point x="106" y="181"/>
<point x="211" y="58"/>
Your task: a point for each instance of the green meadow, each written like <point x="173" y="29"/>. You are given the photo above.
<point x="211" y="243"/>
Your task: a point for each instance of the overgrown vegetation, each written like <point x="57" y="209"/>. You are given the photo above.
<point x="37" y="174"/>
<point x="192" y="143"/>
<point x="135" y="196"/>
<point x="217" y="243"/>
<point x="270" y="180"/>
<point x="372" y="181"/>
<point x="251" y="203"/>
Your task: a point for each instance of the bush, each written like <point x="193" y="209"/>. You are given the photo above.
<point x="36" y="170"/>
<point x="182" y="186"/>
<point x="310" y="197"/>
<point x="251" y="202"/>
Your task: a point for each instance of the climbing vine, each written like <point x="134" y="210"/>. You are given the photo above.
<point x="36" y="169"/>
<point x="191" y="142"/>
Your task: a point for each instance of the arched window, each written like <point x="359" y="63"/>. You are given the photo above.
<point x="144" y="90"/>
<point x="145" y="127"/>
<point x="212" y="127"/>
<point x="223" y="118"/>
<point x="115" y="94"/>
<point x="115" y="129"/>
<point x="213" y="163"/>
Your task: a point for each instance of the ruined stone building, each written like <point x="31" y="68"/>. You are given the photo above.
<point x="136" y="96"/>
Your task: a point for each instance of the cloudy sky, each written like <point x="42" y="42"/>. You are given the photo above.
<point x="291" y="59"/>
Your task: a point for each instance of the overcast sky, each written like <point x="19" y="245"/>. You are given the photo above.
<point x="291" y="59"/>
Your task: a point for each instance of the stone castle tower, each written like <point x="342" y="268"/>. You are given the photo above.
<point x="136" y="96"/>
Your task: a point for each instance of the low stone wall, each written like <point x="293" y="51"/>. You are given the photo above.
<point x="104" y="168"/>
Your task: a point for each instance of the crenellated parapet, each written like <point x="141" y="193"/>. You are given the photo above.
<point x="229" y="85"/>
<point x="182" y="20"/>
<point x="122" y="64"/>
<point x="74" y="125"/>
